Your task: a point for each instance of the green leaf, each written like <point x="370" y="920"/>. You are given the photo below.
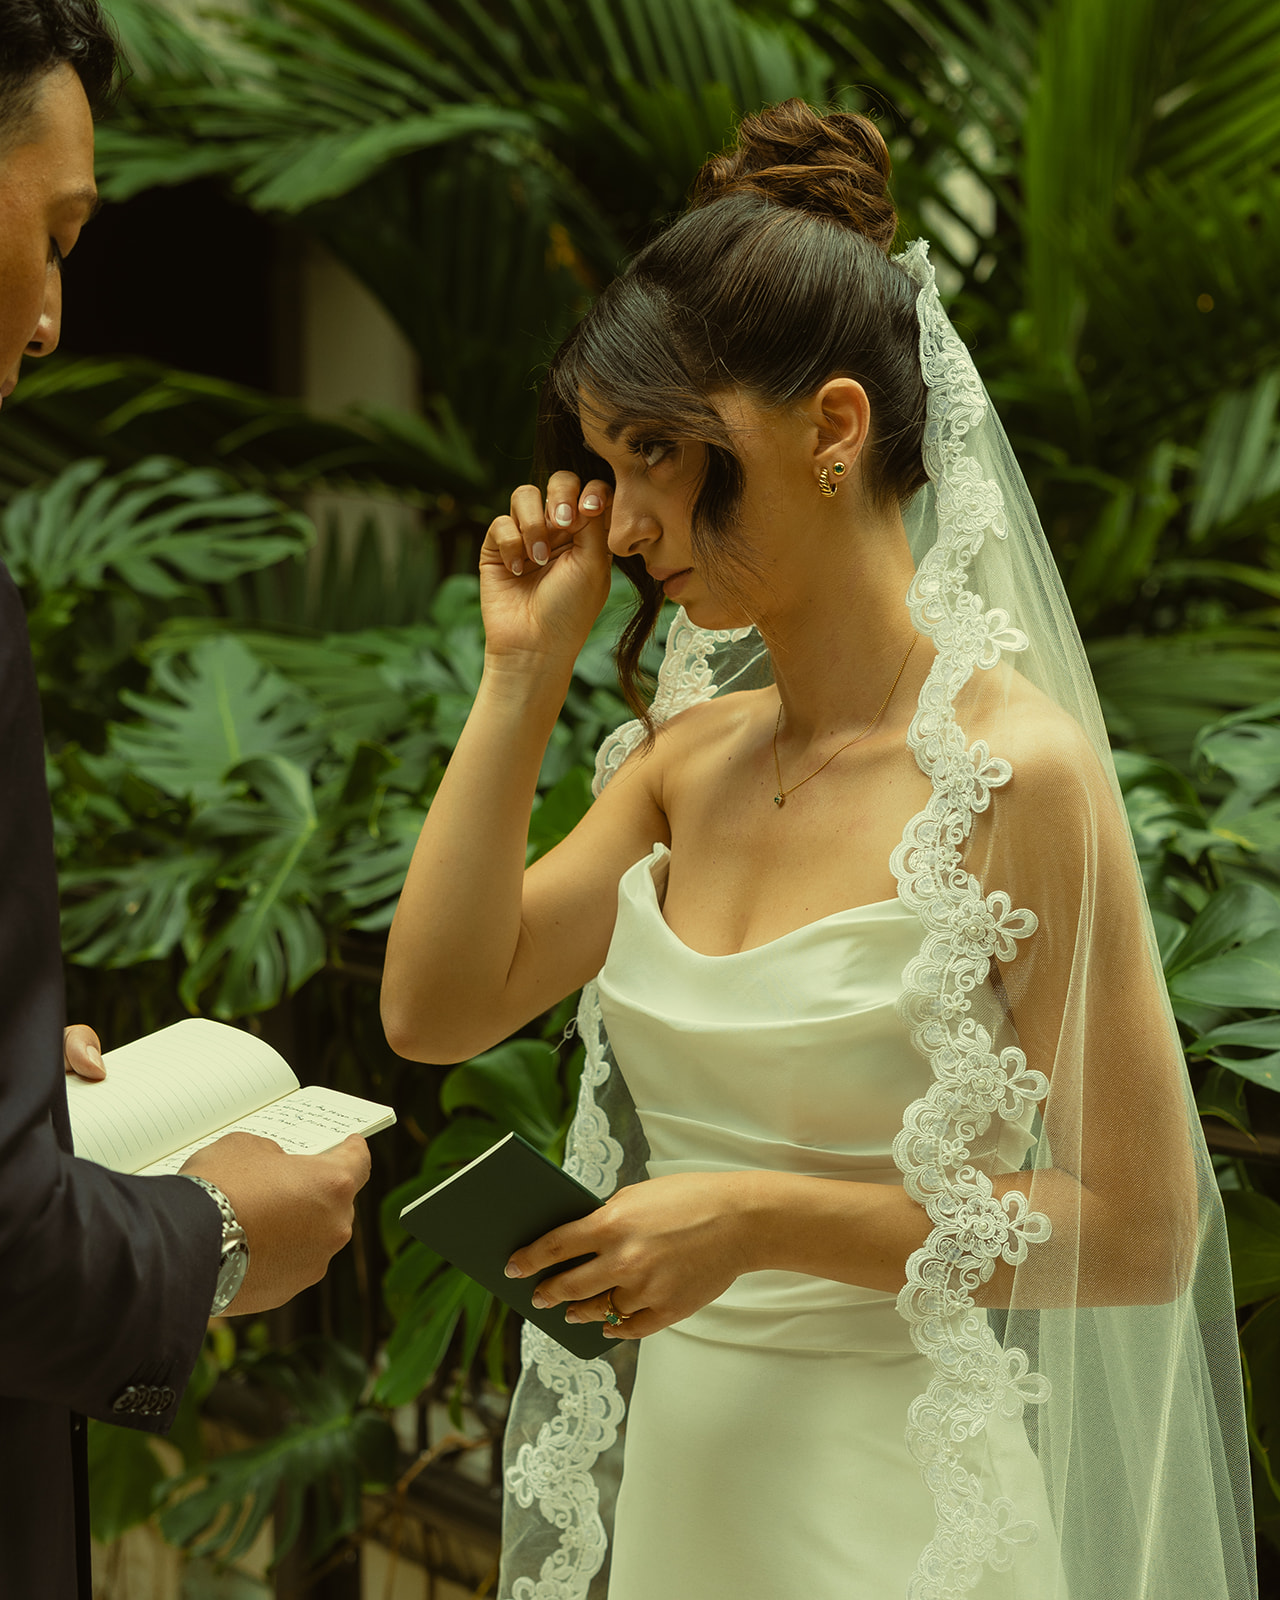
<point x="517" y="1085"/>
<point x="133" y="913"/>
<point x="1261" y="1033"/>
<point x="559" y="812"/>
<point x="327" y="1456"/>
<point x="1161" y="691"/>
<point x="160" y="528"/>
<point x="1249" y="752"/>
<point x="1249" y="976"/>
<point x="274" y="940"/>
<point x="1260" y="1350"/>
<point x="1253" y="1227"/>
<point x="220" y="707"/>
<point x="421" y="1338"/>
<point x="1222" y="1095"/>
<point x="1234" y="916"/>
<point x="124" y="1474"/>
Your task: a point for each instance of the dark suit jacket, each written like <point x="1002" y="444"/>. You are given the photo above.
<point x="105" y="1281"/>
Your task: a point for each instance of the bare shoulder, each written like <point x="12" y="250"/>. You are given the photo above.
<point x="719" y="718"/>
<point x="705" y="734"/>
<point x="1051" y="754"/>
<point x="1058" y="816"/>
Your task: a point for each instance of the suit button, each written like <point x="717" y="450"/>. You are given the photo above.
<point x="127" y="1400"/>
<point x="167" y="1397"/>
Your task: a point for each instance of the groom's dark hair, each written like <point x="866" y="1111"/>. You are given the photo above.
<point x="37" y="36"/>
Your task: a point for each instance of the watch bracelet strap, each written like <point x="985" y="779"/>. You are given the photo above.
<point x="233" y="1239"/>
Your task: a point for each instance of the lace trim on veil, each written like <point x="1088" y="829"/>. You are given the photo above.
<point x="974" y="1376"/>
<point x="556" y="1469"/>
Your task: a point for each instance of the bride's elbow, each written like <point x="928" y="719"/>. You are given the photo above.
<point x="1152" y="1259"/>
<point x="418" y="1032"/>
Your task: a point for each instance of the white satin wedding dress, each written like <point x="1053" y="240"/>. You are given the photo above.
<point x="765" y="1454"/>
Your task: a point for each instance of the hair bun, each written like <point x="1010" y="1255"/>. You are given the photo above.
<point x="833" y="166"/>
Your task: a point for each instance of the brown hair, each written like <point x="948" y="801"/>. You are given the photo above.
<point x="775" y="280"/>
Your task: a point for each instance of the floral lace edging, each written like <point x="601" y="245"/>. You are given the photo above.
<point x="974" y="1377"/>
<point x="685" y="677"/>
<point x="556" y="1469"/>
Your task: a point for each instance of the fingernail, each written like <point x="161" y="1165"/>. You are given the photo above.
<point x="95" y="1056"/>
<point x="541" y="554"/>
<point x="611" y="1333"/>
<point x="564" y="515"/>
<point x="572" y="1316"/>
<point x="539" y="1302"/>
<point x="591" y="503"/>
<point x="517" y="567"/>
<point x="513" y="1271"/>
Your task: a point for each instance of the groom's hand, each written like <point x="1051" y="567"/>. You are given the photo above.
<point x="296" y="1211"/>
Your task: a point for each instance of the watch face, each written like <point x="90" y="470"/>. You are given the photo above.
<point x="235" y="1263"/>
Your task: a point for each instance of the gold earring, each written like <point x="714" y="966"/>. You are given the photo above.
<point x="825" y="484"/>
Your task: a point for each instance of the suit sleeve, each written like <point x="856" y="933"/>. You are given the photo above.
<point x="105" y="1280"/>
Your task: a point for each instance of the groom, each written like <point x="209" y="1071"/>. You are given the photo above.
<point x="106" y="1281"/>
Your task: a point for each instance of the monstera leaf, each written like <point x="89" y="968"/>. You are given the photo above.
<point x="219" y="706"/>
<point x="274" y="940"/>
<point x="159" y="528"/>
<point x="331" y="1451"/>
<point x="117" y="916"/>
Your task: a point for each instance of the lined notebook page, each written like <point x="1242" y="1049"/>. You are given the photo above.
<point x="302" y="1124"/>
<point x="183" y="1083"/>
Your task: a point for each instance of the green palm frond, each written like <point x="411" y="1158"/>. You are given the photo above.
<point x="1158" y="693"/>
<point x="1180" y="304"/>
<point x="1218" y="113"/>
<point x="1239" y="465"/>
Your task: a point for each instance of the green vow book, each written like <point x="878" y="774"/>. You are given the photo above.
<point x="495" y="1205"/>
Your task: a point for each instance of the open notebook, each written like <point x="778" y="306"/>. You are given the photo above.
<point x="168" y="1095"/>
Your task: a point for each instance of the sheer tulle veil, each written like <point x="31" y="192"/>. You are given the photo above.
<point x="1092" y="1298"/>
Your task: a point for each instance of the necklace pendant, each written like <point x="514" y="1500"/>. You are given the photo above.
<point x="778" y="799"/>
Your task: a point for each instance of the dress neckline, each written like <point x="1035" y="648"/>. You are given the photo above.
<point x="661" y="853"/>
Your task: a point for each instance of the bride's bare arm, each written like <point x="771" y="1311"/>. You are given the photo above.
<point x="478" y="947"/>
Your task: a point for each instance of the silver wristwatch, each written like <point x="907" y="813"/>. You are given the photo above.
<point x="234" y="1261"/>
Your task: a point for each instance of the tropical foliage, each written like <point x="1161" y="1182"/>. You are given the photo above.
<point x="242" y="744"/>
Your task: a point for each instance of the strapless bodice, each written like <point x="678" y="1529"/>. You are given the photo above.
<point x="788" y="1057"/>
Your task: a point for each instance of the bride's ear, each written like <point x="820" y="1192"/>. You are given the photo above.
<point x="841" y="414"/>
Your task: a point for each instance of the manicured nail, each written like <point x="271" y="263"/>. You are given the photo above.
<point x="517" y="567"/>
<point x="611" y="1333"/>
<point x="541" y="554"/>
<point x="572" y="1316"/>
<point x="95" y="1056"/>
<point x="564" y="515"/>
<point x="540" y="1302"/>
<point x="591" y="503"/>
<point x="513" y="1271"/>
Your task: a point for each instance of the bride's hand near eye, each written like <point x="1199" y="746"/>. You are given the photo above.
<point x="545" y="569"/>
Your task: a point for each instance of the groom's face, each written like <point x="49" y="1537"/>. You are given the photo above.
<point x="47" y="195"/>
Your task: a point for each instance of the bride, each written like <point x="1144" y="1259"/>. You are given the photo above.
<point x="911" y="1251"/>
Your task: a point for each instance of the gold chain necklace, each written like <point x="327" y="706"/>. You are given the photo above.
<point x="783" y="793"/>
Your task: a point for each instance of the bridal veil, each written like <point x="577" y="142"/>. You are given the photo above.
<point x="1076" y="1274"/>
